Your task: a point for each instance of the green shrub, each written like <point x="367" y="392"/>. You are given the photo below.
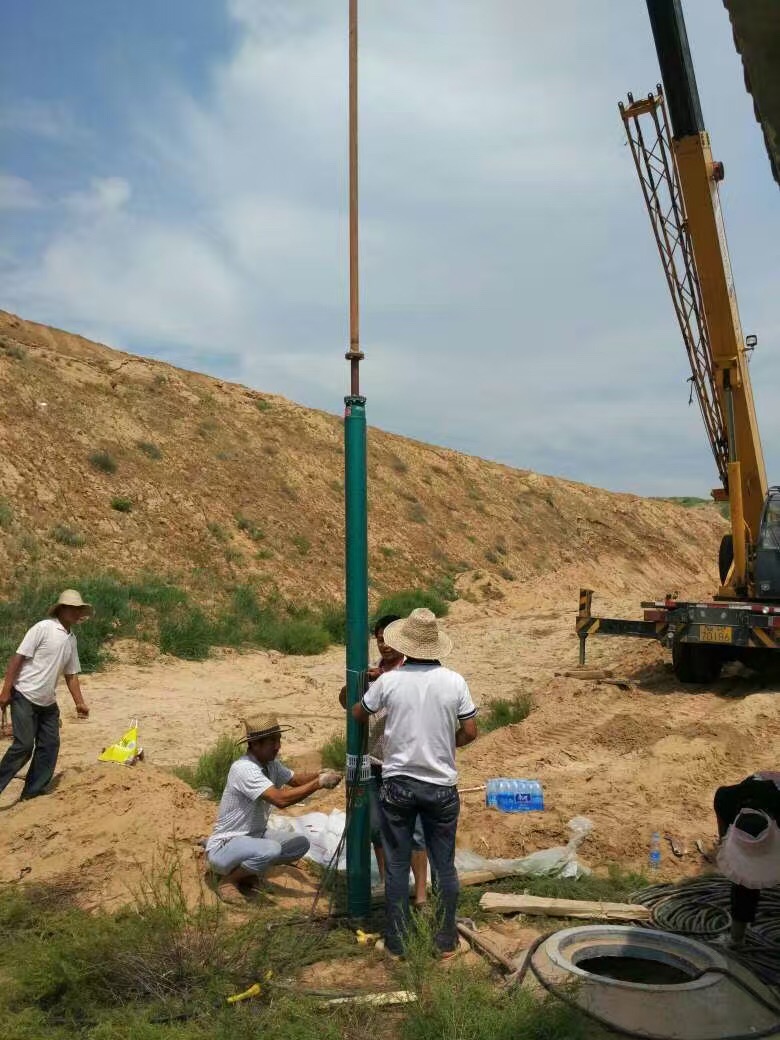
<point x="67" y="536"/>
<point x="233" y="555"/>
<point x="302" y="544"/>
<point x="122" y="505"/>
<point x="186" y="632"/>
<point x="149" y="449"/>
<point x="491" y="556"/>
<point x="14" y="350"/>
<point x="504" y="711"/>
<point x="262" y="404"/>
<point x="6" y="515"/>
<point x="333" y="752"/>
<point x="103" y="461"/>
<point x="387" y="551"/>
<point x="264" y="554"/>
<point x="212" y="767"/>
<point x="407" y="600"/>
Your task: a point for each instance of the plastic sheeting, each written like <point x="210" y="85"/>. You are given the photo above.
<point x="324" y="832"/>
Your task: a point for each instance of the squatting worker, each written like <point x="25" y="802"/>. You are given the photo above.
<point x="242" y="846"/>
<point x="749" y="855"/>
<point x="389" y="659"/>
<point x="429" y="713"/>
<point x="47" y="651"/>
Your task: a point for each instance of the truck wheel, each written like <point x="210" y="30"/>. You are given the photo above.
<point x="725" y="556"/>
<point x="696" y="662"/>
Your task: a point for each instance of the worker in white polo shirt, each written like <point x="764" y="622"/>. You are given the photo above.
<point x="47" y="651"/>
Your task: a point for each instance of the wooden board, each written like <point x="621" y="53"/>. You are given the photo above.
<point x="504" y="903"/>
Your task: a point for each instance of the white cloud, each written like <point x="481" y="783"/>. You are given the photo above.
<point x="513" y="304"/>
<point x="51" y="120"/>
<point x="17" y="193"/>
<point x="105" y="195"/>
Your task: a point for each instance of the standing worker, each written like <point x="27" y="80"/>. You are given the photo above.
<point x="429" y="713"/>
<point x="242" y="847"/>
<point x="389" y="659"/>
<point x="749" y="855"/>
<point x="47" y="651"/>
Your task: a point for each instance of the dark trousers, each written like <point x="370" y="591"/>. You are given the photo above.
<point x="36" y="736"/>
<point x="403" y="798"/>
<point x="751" y="793"/>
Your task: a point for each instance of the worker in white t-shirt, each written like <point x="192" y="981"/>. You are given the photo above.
<point x="429" y="712"/>
<point x="242" y="846"/>
<point x="47" y="651"/>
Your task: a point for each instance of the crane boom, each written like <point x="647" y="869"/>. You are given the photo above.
<point x="649" y="137"/>
<point x="722" y="375"/>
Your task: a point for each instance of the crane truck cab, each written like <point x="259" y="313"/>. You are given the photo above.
<point x="767" y="565"/>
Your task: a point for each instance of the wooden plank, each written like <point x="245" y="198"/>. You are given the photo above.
<point x="487" y="947"/>
<point x="506" y="903"/>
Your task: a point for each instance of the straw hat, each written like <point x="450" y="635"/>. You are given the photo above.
<point x="70" y="598"/>
<point x="261" y="726"/>
<point x="750" y="852"/>
<point x="418" y="636"/>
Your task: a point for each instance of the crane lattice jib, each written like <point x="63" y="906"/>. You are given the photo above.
<point x="647" y="128"/>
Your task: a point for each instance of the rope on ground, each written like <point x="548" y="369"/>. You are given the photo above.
<point x="700" y="908"/>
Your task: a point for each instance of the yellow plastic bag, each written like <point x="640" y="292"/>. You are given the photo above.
<point x="127" y="750"/>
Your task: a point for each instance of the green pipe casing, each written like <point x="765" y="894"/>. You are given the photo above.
<point x="358" y="776"/>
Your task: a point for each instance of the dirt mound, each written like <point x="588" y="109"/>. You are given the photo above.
<point x="105" y="827"/>
<point x="208" y="482"/>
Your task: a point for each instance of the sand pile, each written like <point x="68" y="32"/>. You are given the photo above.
<point x="105" y="827"/>
<point x="631" y="762"/>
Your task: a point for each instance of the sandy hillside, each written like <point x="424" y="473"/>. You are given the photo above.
<point x="521" y="544"/>
<point x="246" y="486"/>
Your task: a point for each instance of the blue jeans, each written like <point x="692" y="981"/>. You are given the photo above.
<point x="37" y="736"/>
<point x="375" y="810"/>
<point x="257" y="854"/>
<point x="403" y="798"/>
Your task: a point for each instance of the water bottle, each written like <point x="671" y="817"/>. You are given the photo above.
<point x="490" y="794"/>
<point x="524" y="796"/>
<point x="503" y="795"/>
<point x="655" y="851"/>
<point x="537" y="797"/>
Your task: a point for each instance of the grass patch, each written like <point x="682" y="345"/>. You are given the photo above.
<point x="122" y="505"/>
<point x="156" y="970"/>
<point x="103" y="461"/>
<point x="416" y="513"/>
<point x="13" y="350"/>
<point x="217" y="531"/>
<point x="334" y="752"/>
<point x="250" y="528"/>
<point x="302" y="544"/>
<point x="67" y="536"/>
<point x="388" y="552"/>
<point x="504" y="711"/>
<point x="398" y="465"/>
<point x="492" y="557"/>
<point x="263" y="405"/>
<point x="211" y="769"/>
<point x="157" y="611"/>
<point x="6" y="515"/>
<point x="152" y="451"/>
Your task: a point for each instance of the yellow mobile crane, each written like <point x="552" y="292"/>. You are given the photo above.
<point x="679" y="180"/>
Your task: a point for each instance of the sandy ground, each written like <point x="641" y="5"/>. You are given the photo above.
<point x="632" y="761"/>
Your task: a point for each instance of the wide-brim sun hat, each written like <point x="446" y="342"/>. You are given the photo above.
<point x="261" y="726"/>
<point x="70" y="598"/>
<point x="749" y="854"/>
<point x="419" y="636"/>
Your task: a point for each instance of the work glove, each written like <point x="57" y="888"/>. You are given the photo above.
<point x="330" y="778"/>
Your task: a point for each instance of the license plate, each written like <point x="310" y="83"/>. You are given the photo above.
<point x="715" y="633"/>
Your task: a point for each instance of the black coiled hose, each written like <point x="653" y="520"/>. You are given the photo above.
<point x="700" y="908"/>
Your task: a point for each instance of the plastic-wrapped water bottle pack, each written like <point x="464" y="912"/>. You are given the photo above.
<point x="509" y="795"/>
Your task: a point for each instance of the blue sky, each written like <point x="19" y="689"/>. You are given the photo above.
<point x="173" y="183"/>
